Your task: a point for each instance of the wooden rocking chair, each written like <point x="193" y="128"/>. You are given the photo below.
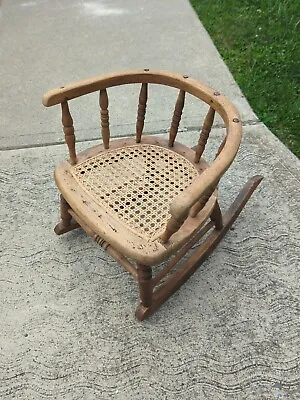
<point x="145" y="199"/>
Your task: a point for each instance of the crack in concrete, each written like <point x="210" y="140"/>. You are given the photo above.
<point x="157" y="132"/>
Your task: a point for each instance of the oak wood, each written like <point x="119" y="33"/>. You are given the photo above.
<point x="103" y="101"/>
<point x="144" y="274"/>
<point x="222" y="105"/>
<point x="111" y="229"/>
<point x="209" y="178"/>
<point x="60" y="229"/>
<point x="221" y="147"/>
<point x="176" y="117"/>
<point x="64" y="214"/>
<point x="118" y="257"/>
<point x="68" y="128"/>
<point x="216" y="216"/>
<point x="172" y="226"/>
<point x="141" y="111"/>
<point x="193" y="213"/>
<point x="206" y="128"/>
<point x="201" y="202"/>
<point x="200" y="254"/>
<point x="181" y="253"/>
<point x="66" y="224"/>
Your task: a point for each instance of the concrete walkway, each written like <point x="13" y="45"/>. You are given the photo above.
<point x="67" y="325"/>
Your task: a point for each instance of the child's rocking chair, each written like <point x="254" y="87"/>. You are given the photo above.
<point x="145" y="198"/>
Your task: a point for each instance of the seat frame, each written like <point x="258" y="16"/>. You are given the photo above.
<point x="193" y="213"/>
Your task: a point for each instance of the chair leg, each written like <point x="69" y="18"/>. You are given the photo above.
<point x="66" y="223"/>
<point x="216" y="217"/>
<point x="144" y="273"/>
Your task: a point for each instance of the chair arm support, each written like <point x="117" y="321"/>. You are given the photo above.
<point x="182" y="204"/>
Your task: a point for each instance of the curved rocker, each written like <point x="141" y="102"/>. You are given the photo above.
<point x="202" y="253"/>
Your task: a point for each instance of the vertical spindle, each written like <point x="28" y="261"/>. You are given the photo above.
<point x="205" y="131"/>
<point x="141" y="111"/>
<point x="68" y="128"/>
<point x="202" y="201"/>
<point x="176" y="117"/>
<point x="103" y="101"/>
<point x="216" y="217"/>
<point x="172" y="226"/>
<point x="221" y="147"/>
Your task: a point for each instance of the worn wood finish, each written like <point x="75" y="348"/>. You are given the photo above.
<point x="68" y="128"/>
<point x="181" y="253"/>
<point x="141" y="111"/>
<point x="227" y="111"/>
<point x="110" y="228"/>
<point x="144" y="273"/>
<point x="216" y="217"/>
<point x="176" y="117"/>
<point x="201" y="202"/>
<point x="193" y="212"/>
<point x="66" y="224"/>
<point x="172" y="226"/>
<point x="103" y="101"/>
<point x="118" y="257"/>
<point x="206" y="128"/>
<point x="221" y="147"/>
<point x="201" y="253"/>
<point x="222" y="105"/>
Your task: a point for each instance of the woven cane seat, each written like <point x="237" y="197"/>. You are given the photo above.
<point x="127" y="191"/>
<point x="136" y="184"/>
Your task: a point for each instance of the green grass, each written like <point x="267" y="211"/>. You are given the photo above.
<point x="260" y="43"/>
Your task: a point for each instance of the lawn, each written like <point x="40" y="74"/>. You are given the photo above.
<point x="260" y="43"/>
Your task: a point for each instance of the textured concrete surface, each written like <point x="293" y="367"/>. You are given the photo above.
<point x="68" y="327"/>
<point x="67" y="311"/>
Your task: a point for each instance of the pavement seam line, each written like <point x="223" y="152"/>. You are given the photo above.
<point x="158" y="132"/>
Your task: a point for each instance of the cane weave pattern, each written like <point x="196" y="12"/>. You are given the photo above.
<point x="136" y="184"/>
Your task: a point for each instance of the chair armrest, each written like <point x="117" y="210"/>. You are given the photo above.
<point x="182" y="204"/>
<point x="83" y="87"/>
<point x="72" y="90"/>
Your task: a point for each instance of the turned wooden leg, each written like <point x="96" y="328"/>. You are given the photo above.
<point x="144" y="273"/>
<point x="66" y="224"/>
<point x="216" y="217"/>
<point x="145" y="285"/>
